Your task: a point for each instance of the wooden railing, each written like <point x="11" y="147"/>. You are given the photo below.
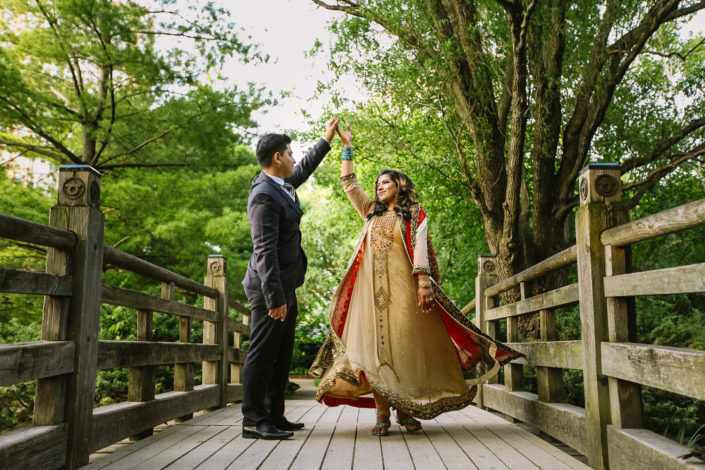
<point x="66" y="428"/>
<point x="609" y="429"/>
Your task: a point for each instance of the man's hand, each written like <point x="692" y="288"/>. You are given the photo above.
<point x="278" y="313"/>
<point x="345" y="136"/>
<point x="331" y="126"/>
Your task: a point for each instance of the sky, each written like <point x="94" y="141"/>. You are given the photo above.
<point x="286" y="30"/>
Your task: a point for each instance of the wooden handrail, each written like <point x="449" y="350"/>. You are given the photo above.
<point x="557" y="261"/>
<point x="669" y="221"/>
<point x="124" y="260"/>
<point x="26" y="231"/>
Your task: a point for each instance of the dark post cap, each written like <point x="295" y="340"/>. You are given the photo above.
<point x="79" y="168"/>
<point x="600" y="166"/>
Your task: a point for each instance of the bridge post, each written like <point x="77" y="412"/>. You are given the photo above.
<point x="217" y="332"/>
<point x="70" y="398"/>
<point x="600" y="208"/>
<point x="486" y="276"/>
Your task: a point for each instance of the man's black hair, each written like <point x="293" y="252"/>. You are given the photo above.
<point x="268" y="145"/>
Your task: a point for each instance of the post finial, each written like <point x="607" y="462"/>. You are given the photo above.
<point x="600" y="182"/>
<point x="216" y="265"/>
<point x="486" y="264"/>
<point x="79" y="185"/>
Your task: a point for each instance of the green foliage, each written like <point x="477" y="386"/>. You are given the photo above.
<point x="17" y="401"/>
<point x="88" y="82"/>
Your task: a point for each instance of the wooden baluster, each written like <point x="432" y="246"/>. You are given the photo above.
<point x="514" y="373"/>
<point x="600" y="208"/>
<point x="140" y="383"/>
<point x="183" y="373"/>
<point x="70" y="398"/>
<point x="625" y="397"/>
<point x="549" y="379"/>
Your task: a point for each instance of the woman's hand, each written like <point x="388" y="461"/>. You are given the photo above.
<point x="345" y="135"/>
<point x="426" y="298"/>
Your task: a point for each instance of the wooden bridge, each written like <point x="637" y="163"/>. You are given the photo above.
<point x="66" y="428"/>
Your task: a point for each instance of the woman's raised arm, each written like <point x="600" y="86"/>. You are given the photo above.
<point x="357" y="196"/>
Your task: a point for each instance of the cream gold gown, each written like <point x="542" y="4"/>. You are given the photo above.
<point x="380" y="338"/>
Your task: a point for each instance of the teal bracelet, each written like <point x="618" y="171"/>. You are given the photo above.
<point x="347" y="153"/>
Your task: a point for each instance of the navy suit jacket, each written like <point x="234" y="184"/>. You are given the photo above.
<point x="278" y="263"/>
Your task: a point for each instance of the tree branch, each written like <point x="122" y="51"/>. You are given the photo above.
<point x="663" y="147"/>
<point x="138" y="147"/>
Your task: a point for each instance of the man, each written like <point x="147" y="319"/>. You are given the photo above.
<point x="277" y="267"/>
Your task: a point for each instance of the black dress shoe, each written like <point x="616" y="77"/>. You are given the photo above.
<point x="286" y="425"/>
<point x="265" y="431"/>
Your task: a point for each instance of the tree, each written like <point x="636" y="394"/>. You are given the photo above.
<point x="527" y="93"/>
<point x="85" y="82"/>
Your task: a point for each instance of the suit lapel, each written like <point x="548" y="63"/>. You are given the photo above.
<point x="294" y="204"/>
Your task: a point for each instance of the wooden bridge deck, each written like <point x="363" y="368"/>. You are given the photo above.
<point x="339" y="438"/>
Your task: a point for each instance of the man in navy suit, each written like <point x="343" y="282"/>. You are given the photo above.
<point x="277" y="267"/>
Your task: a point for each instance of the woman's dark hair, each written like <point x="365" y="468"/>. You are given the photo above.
<point x="406" y="195"/>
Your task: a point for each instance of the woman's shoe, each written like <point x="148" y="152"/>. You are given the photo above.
<point x="411" y="424"/>
<point x="381" y="429"/>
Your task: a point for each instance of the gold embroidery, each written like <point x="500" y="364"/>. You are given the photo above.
<point x="381" y="239"/>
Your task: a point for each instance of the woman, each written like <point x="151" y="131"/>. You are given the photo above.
<point x="394" y="333"/>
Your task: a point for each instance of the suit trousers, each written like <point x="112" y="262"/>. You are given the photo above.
<point x="266" y="370"/>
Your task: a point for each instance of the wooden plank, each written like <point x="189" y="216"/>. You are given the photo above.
<point x="21" y="362"/>
<point x="394" y="451"/>
<point x="340" y="449"/>
<point x="254" y="454"/>
<point x="421" y="449"/>
<point x="368" y="448"/>
<point x="551" y="299"/>
<point x="478" y="455"/>
<point x="234" y="325"/>
<point x="641" y="448"/>
<point x="557" y="261"/>
<point x="15" y="281"/>
<point x="285" y="453"/>
<point x="33" y="447"/>
<point x="676" y="370"/>
<point x="510" y="456"/>
<point x="313" y="451"/>
<point x="114" y="354"/>
<point x="504" y="431"/>
<point x="115" y="422"/>
<point x="234" y="392"/>
<point x="229" y="452"/>
<point x="562" y="421"/>
<point x="23" y="230"/>
<point x="125" y="260"/>
<point x="207" y="449"/>
<point x="549" y="380"/>
<point x="678" y="280"/>
<point x="236" y="356"/>
<point x="560" y="354"/>
<point x="483" y="417"/>
<point x="129" y="298"/>
<point x="139" y="458"/>
<point x="665" y="222"/>
<point x="107" y="459"/>
<point x="181" y="448"/>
